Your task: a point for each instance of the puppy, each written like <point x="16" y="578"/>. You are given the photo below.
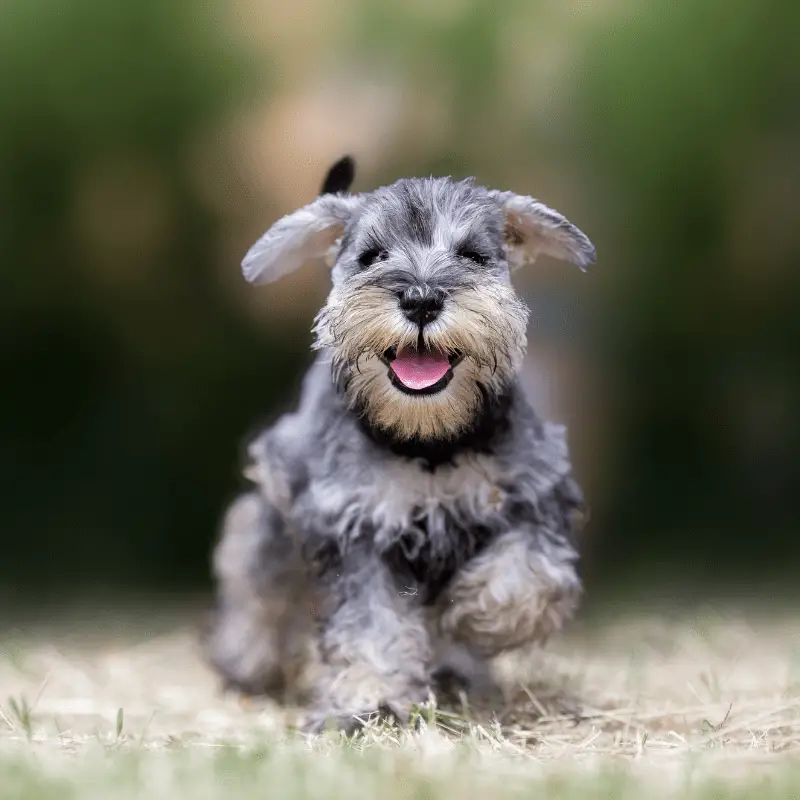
<point x="413" y="517"/>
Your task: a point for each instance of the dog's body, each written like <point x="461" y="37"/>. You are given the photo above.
<point x="413" y="517"/>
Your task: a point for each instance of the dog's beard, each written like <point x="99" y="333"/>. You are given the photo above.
<point x="480" y="329"/>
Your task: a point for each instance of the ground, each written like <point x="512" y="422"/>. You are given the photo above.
<point x="703" y="704"/>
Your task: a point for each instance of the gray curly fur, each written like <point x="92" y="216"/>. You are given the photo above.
<point x="390" y="539"/>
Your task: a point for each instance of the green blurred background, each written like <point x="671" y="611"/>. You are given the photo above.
<point x="144" y="146"/>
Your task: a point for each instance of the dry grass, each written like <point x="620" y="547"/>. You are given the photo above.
<point x="649" y="703"/>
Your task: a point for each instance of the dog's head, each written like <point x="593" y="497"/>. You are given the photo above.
<point x="422" y="322"/>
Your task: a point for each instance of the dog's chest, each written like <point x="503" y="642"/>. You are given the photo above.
<point x="424" y="523"/>
<point x="438" y="521"/>
<point x="400" y="493"/>
<point x="395" y="495"/>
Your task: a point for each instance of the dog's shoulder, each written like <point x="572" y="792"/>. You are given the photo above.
<point x="282" y="457"/>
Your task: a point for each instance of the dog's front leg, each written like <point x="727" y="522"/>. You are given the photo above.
<point x="517" y="592"/>
<point x="374" y="647"/>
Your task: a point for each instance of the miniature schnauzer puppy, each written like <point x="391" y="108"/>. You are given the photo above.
<point x="413" y="517"/>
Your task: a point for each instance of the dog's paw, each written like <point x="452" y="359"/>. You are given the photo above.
<point x="450" y="684"/>
<point x="324" y="721"/>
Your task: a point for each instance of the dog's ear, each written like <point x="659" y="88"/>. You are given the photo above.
<point x="532" y="229"/>
<point x="308" y="233"/>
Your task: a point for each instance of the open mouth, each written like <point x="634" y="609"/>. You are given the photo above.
<point x="424" y="371"/>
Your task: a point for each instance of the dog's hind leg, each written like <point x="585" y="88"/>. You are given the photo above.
<point x="262" y="622"/>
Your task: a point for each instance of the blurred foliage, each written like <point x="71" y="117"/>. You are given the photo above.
<point x="690" y="113"/>
<point x="123" y="396"/>
<point x="129" y="375"/>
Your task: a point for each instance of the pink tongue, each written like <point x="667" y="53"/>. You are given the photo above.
<point x="419" y="371"/>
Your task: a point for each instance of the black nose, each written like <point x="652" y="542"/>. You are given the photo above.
<point x="421" y="304"/>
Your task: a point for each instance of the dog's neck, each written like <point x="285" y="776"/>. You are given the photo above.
<point x="488" y="428"/>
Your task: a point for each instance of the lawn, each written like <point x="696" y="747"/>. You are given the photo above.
<point x="700" y="705"/>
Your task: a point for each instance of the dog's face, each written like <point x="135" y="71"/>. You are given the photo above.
<point x="422" y="323"/>
<point x="422" y="318"/>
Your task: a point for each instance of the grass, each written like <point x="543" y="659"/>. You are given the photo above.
<point x="701" y="706"/>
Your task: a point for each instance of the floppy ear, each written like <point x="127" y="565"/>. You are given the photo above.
<point x="308" y="233"/>
<point x="533" y="229"/>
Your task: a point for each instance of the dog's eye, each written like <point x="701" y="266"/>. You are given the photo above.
<point x="369" y="257"/>
<point x="472" y="255"/>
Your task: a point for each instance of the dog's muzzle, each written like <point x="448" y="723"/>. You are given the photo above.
<point x="423" y="371"/>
